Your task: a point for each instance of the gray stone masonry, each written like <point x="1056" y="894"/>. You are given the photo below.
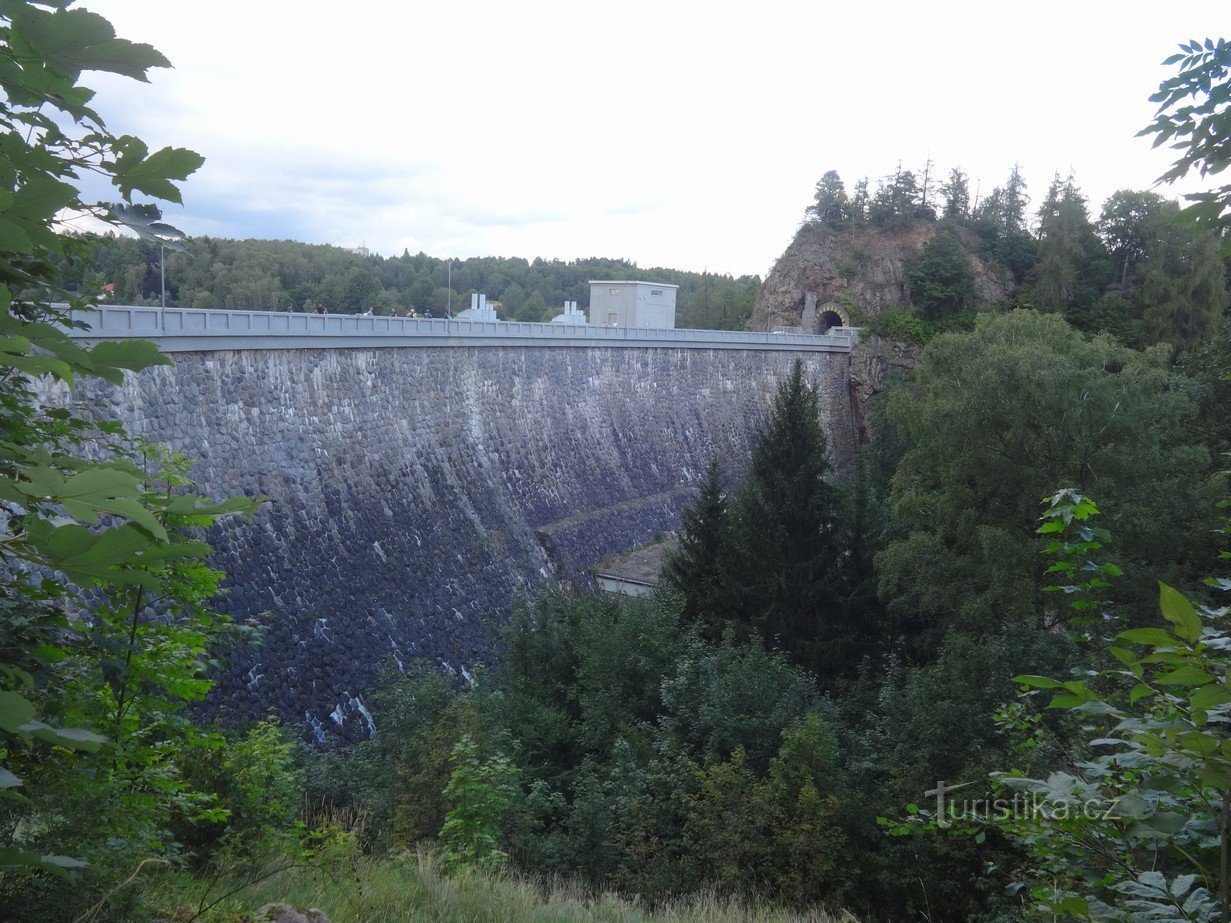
<point x="415" y="492"/>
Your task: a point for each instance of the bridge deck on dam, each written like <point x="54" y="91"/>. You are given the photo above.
<point x="206" y="330"/>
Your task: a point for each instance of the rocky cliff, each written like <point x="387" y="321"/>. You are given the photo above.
<point x="863" y="272"/>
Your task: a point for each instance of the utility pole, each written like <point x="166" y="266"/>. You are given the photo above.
<point x="449" y="306"/>
<point x="162" y="281"/>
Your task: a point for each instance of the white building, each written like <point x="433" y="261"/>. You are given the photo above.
<point x="633" y="304"/>
<point x="573" y="316"/>
<point x="479" y="309"/>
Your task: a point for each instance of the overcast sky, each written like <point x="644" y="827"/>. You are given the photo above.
<point x="688" y="135"/>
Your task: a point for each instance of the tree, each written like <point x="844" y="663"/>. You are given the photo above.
<point x="1192" y="116"/>
<point x="785" y="555"/>
<point x="1129" y="224"/>
<point x="940" y="280"/>
<point x="423" y="293"/>
<point x="956" y="192"/>
<point x="696" y="568"/>
<point x="1070" y="271"/>
<point x="897" y="200"/>
<point x="1183" y="287"/>
<point x="533" y="308"/>
<point x="1140" y="826"/>
<point x="860" y="202"/>
<point x="1000" y="219"/>
<point x="831" y="208"/>
<point x="996" y="417"/>
<point x="1171" y="279"/>
<point x="114" y="522"/>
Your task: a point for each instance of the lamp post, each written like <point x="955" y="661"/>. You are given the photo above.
<point x="449" y="302"/>
<point x="146" y="222"/>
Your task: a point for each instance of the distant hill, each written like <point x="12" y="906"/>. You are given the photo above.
<point x="280" y="275"/>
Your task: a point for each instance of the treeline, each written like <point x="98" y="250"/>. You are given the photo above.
<point x="282" y="275"/>
<point x="1134" y="271"/>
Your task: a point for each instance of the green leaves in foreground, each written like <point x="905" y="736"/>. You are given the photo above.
<point x="1141" y="833"/>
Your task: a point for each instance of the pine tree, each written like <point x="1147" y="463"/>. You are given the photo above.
<point x="897" y="200"/>
<point x="784" y="543"/>
<point x="860" y="202"/>
<point x="831" y="208"/>
<point x="697" y="566"/>
<point x="956" y="193"/>
<point x="1072" y="267"/>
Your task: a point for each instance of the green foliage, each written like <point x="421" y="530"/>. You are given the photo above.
<point x="103" y="621"/>
<point x="774" y="834"/>
<point x="897" y="202"/>
<point x="783" y="548"/>
<point x="956" y="192"/>
<point x="831" y="208"/>
<point x="1071" y="269"/>
<point x="940" y="279"/>
<point x="1192" y="118"/>
<point x="1171" y="285"/>
<point x="1136" y="827"/>
<point x="256" y="781"/>
<point x="696" y="567"/>
<point x="902" y="326"/>
<point x="478" y="794"/>
<point x="1098" y="416"/>
<point x="1209" y="367"/>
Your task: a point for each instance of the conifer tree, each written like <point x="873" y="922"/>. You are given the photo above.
<point x="784" y="542"/>
<point x="1072" y="267"/>
<point x="831" y="208"/>
<point x="956" y="193"/>
<point x="697" y="566"/>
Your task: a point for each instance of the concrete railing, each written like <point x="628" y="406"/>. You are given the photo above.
<point x="206" y="330"/>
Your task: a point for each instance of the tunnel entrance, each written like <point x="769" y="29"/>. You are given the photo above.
<point x="829" y="320"/>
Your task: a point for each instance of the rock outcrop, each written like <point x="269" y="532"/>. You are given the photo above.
<point x="863" y="270"/>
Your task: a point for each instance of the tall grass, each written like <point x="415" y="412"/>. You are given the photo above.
<point x="413" y="887"/>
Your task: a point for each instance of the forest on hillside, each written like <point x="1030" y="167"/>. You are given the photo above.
<point x="283" y="275"/>
<point x="985" y="677"/>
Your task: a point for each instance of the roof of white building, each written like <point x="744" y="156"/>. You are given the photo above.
<point x="629" y="282"/>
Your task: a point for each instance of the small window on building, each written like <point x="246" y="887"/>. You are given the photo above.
<point x="656" y="292"/>
<point x="613" y="291"/>
<point x="613" y="318"/>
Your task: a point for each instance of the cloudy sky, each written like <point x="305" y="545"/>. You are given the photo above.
<point x="671" y="133"/>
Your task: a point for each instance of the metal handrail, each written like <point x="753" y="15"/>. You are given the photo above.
<point x="119" y="321"/>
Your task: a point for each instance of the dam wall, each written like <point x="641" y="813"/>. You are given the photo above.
<point x="416" y="490"/>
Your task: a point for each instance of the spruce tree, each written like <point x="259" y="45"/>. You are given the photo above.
<point x="1073" y="266"/>
<point x="831" y="208"/>
<point x="784" y="548"/>
<point x="956" y="193"/>
<point x="697" y="567"/>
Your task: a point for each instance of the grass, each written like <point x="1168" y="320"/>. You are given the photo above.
<point x="414" y="887"/>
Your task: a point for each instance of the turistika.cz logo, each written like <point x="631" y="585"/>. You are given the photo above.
<point x="1022" y="806"/>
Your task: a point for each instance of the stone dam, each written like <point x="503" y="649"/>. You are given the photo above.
<point x="421" y="474"/>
